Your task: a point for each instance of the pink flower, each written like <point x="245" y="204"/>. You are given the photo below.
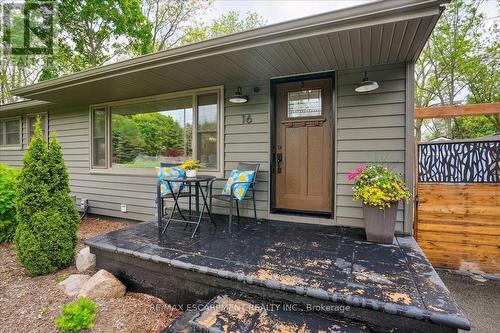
<point x="355" y="173"/>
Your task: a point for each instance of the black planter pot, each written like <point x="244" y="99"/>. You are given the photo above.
<point x="380" y="223"/>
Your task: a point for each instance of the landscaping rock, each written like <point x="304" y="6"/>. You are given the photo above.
<point x="73" y="284"/>
<point x="103" y="285"/>
<point x="85" y="260"/>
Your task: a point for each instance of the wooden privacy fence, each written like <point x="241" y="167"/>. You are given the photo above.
<point x="458" y="204"/>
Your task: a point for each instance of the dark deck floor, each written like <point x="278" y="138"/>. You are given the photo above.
<point x="324" y="262"/>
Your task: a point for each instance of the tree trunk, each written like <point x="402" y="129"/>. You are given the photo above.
<point x="418" y="130"/>
<point x="448" y="127"/>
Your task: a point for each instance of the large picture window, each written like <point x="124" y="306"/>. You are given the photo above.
<point x="172" y="128"/>
<point x="10" y="132"/>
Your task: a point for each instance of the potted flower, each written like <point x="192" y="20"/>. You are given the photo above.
<point x="381" y="190"/>
<point x="191" y="167"/>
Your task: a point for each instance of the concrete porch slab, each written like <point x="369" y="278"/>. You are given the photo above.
<point x="388" y="285"/>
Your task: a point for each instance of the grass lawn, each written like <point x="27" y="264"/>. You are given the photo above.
<point x="30" y="304"/>
<point x="137" y="163"/>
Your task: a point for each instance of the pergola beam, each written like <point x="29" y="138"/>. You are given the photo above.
<point x="457" y="110"/>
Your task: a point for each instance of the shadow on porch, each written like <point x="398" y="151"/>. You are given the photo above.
<point x="385" y="286"/>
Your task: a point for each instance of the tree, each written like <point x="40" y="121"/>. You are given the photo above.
<point x="440" y="70"/>
<point x="97" y="31"/>
<point x="424" y="93"/>
<point x="159" y="133"/>
<point x="483" y="74"/>
<point x="46" y="234"/>
<point x="171" y="19"/>
<point x="460" y="59"/>
<point x="473" y="127"/>
<point x="226" y="24"/>
<point x="59" y="189"/>
<point x="17" y="70"/>
<point x="127" y="140"/>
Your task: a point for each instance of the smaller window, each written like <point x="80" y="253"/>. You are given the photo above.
<point x="31" y="125"/>
<point x="304" y="103"/>
<point x="99" y="138"/>
<point x="207" y="119"/>
<point x="10" y="132"/>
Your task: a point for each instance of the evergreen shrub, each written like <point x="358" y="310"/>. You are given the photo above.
<point x="8" y="219"/>
<point x="45" y="237"/>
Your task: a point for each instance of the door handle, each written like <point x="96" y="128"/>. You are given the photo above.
<point x="279" y="159"/>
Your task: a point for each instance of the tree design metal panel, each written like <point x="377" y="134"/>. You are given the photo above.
<point x="459" y="162"/>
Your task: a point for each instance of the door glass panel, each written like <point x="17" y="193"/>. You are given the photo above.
<point x="304" y="103"/>
<point x="1" y="134"/>
<point x="207" y="130"/>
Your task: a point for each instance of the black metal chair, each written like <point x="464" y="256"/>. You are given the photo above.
<point x="231" y="199"/>
<point x="184" y="194"/>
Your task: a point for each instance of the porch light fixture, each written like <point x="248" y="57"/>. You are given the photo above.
<point x="366" y="85"/>
<point x="238" y="97"/>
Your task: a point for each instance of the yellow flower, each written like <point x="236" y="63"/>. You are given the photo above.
<point x="192" y="165"/>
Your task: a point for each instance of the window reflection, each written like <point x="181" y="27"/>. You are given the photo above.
<point x="99" y="138"/>
<point x="207" y="130"/>
<point x="12" y="132"/>
<point x="149" y="133"/>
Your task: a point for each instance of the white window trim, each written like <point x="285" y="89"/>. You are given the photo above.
<point x="34" y="115"/>
<point x="108" y="169"/>
<point x="12" y="147"/>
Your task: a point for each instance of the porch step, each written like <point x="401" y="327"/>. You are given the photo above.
<point x="227" y="314"/>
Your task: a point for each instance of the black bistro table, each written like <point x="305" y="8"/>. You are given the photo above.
<point x="199" y="182"/>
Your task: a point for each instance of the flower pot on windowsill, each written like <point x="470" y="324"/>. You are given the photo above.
<point x="191" y="173"/>
<point x="380" y="223"/>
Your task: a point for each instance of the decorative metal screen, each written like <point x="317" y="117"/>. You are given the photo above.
<point x="304" y="103"/>
<point x="459" y="162"/>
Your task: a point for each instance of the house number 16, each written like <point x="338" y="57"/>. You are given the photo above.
<point x="247" y="119"/>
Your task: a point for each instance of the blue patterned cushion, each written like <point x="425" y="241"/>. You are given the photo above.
<point x="163" y="173"/>
<point x="240" y="190"/>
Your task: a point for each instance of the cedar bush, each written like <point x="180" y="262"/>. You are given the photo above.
<point x="45" y="237"/>
<point x="8" y="219"/>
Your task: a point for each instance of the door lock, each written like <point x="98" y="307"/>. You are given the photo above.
<point x="279" y="159"/>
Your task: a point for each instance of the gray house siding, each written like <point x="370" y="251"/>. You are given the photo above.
<point x="369" y="128"/>
<point x="106" y="192"/>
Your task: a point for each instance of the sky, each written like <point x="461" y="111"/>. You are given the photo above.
<point x="274" y="11"/>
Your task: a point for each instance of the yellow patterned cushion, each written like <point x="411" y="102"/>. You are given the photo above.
<point x="168" y="173"/>
<point x="240" y="190"/>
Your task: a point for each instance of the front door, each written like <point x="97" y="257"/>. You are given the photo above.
<point x="303" y="160"/>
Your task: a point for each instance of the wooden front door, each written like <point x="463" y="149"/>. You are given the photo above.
<point x="303" y="160"/>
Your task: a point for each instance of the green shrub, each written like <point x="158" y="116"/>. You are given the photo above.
<point x="77" y="315"/>
<point x="8" y="219"/>
<point x="60" y="192"/>
<point x="46" y="234"/>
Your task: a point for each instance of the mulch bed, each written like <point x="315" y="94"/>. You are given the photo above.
<point x="30" y="304"/>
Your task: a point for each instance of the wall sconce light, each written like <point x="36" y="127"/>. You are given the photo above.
<point x="238" y="97"/>
<point x="366" y="85"/>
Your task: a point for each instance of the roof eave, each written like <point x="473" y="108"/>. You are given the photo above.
<point x="28" y="104"/>
<point x="337" y="20"/>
